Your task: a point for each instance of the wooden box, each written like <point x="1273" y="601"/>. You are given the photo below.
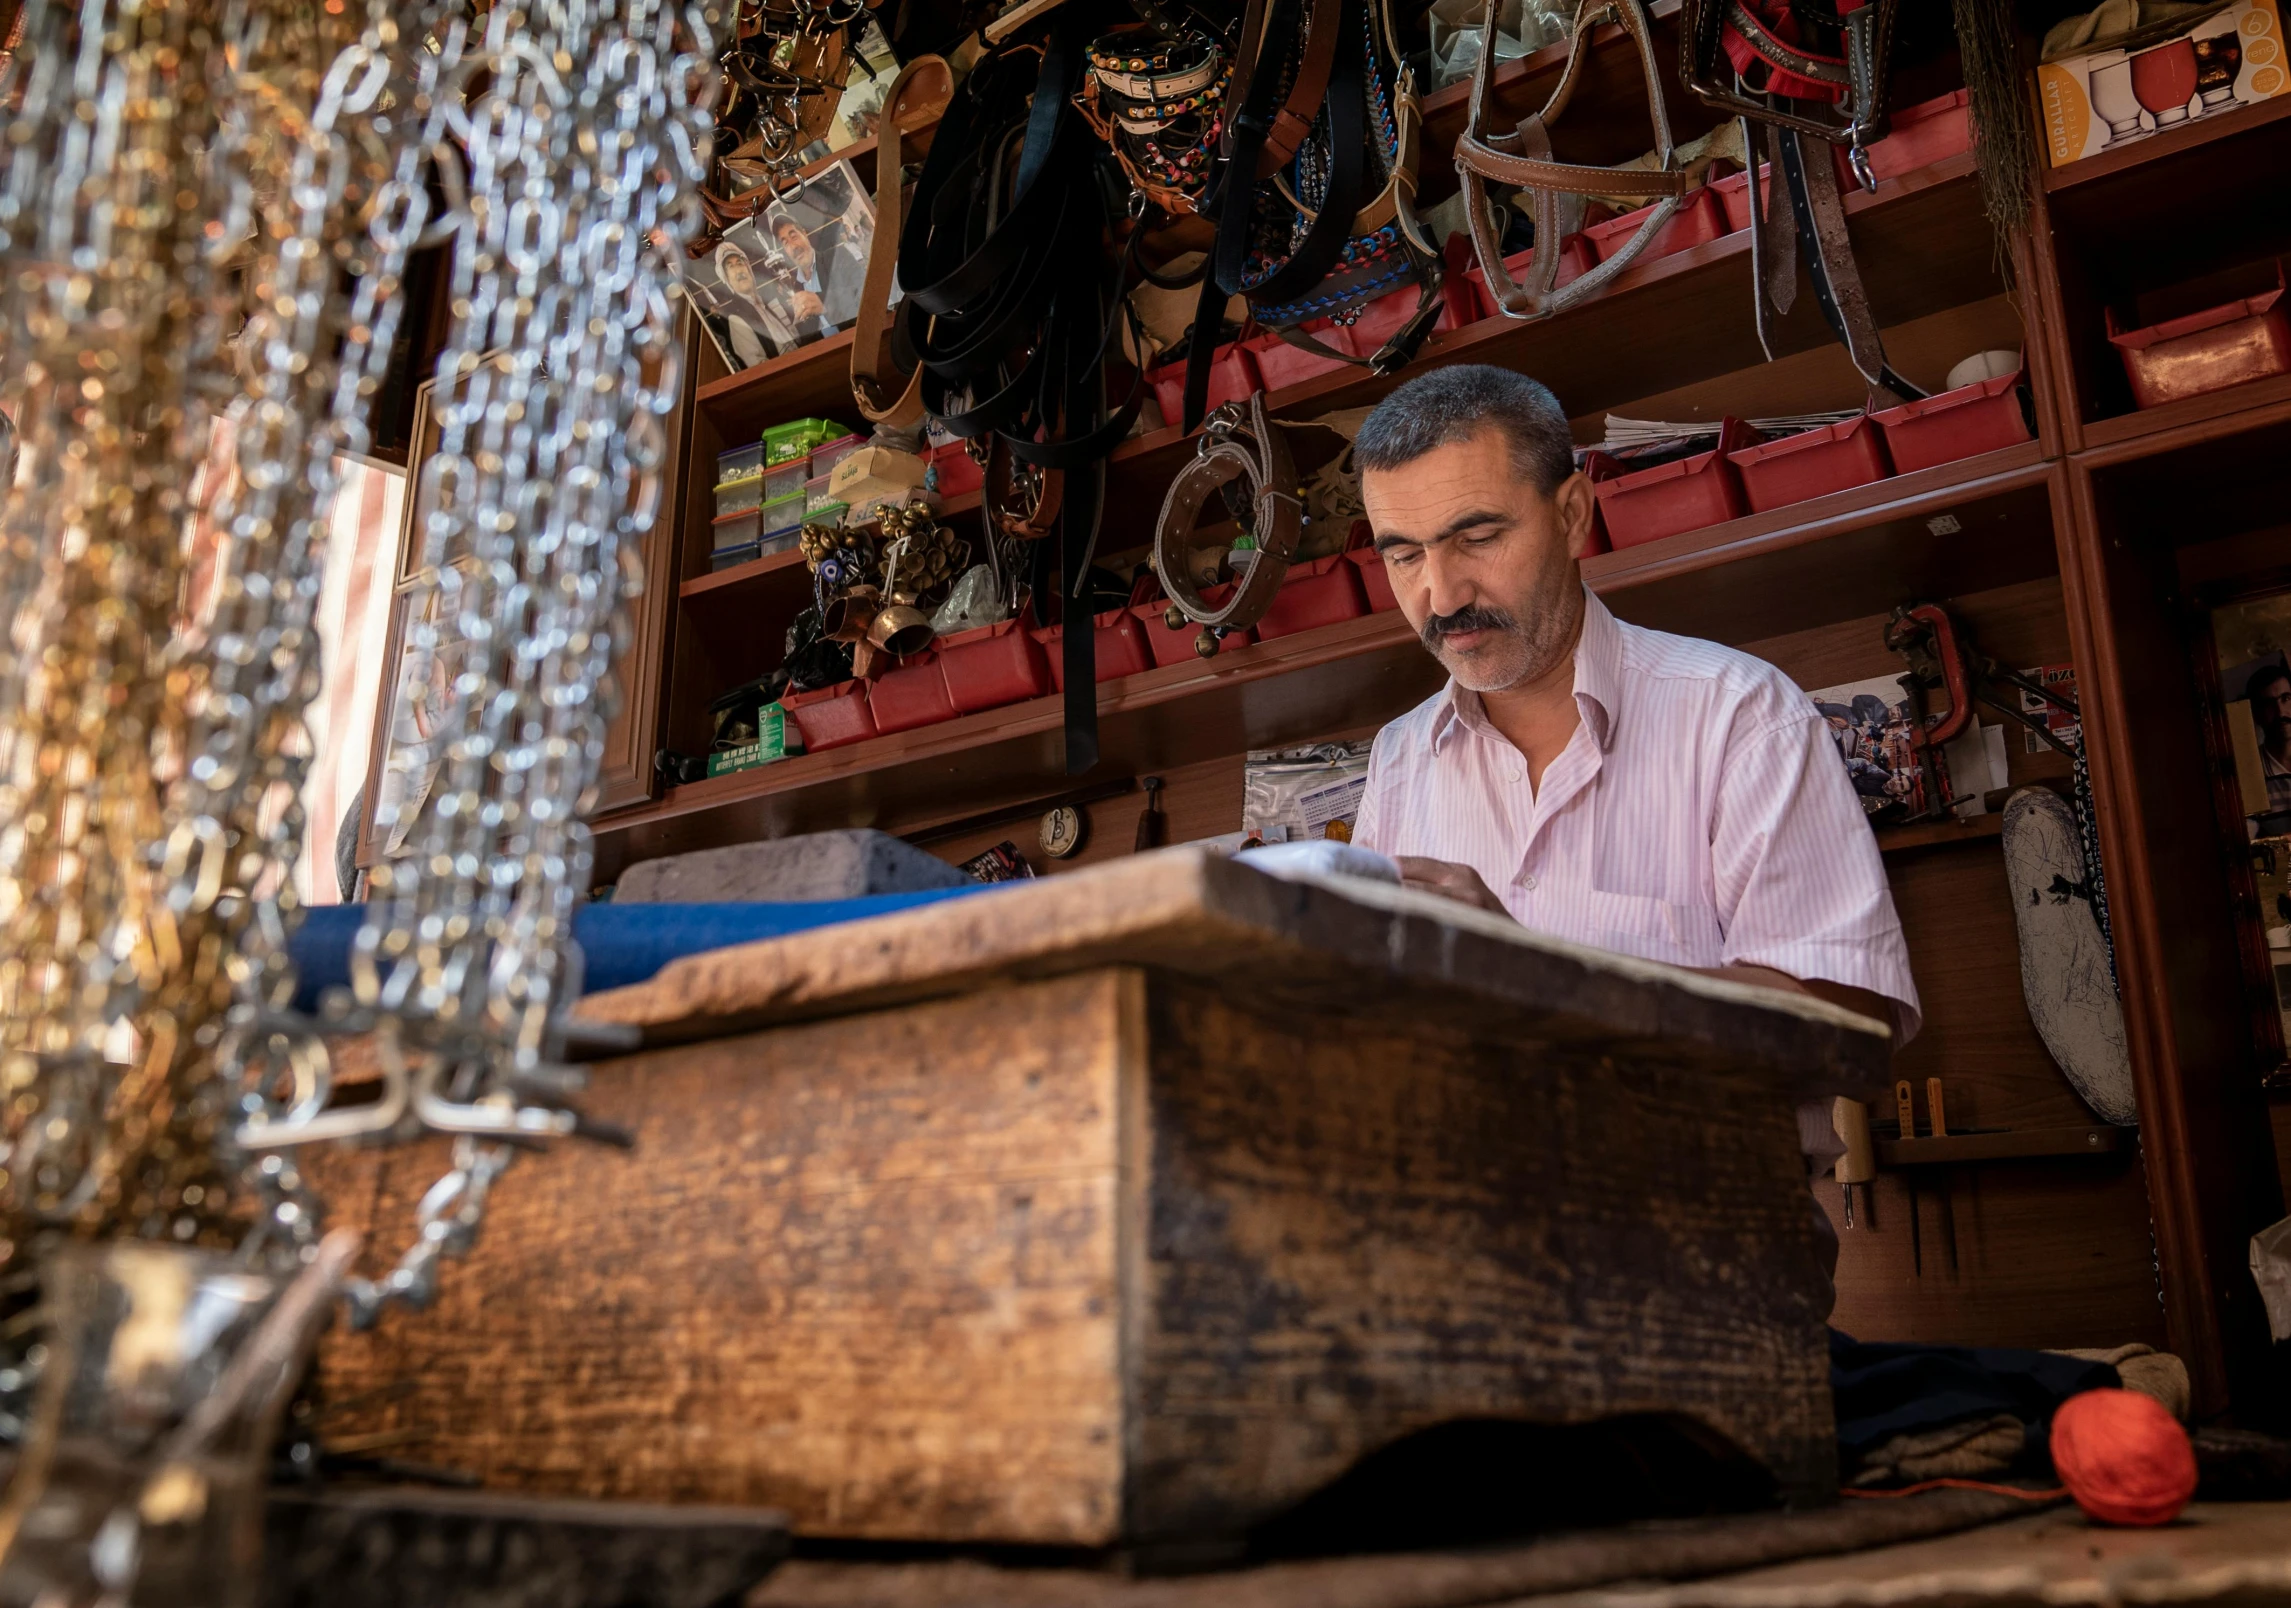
<point x="1122" y="1208"/>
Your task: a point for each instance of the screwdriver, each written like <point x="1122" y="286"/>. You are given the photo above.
<point x="1905" y="1107"/>
<point x="1939" y="1113"/>
<point x="1849" y="1119"/>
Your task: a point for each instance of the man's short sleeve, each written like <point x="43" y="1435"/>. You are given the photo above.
<point x="1799" y="882"/>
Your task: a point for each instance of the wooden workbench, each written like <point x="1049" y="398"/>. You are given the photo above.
<point x="1126" y="1208"/>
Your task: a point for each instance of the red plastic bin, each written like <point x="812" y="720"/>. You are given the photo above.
<point x="1280" y="365"/>
<point x="1700" y="220"/>
<point x="1975" y="418"/>
<point x="1122" y="647"/>
<point x="1176" y="647"/>
<point x="1671" y="498"/>
<point x="1321" y="591"/>
<point x="993" y="665"/>
<point x="1576" y="258"/>
<point x="1375" y="579"/>
<point x="1918" y="136"/>
<point x="1733" y="194"/>
<point x="1232" y="378"/>
<point x="829" y="717"/>
<point x="959" y="472"/>
<point x="1813" y="464"/>
<point x="911" y="693"/>
<point x="2208" y="351"/>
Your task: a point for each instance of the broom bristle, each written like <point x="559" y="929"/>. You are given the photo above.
<point x="2004" y="142"/>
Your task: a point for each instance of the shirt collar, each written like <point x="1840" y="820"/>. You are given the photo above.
<point x="1598" y="683"/>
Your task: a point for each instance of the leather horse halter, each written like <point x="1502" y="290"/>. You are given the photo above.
<point x="1523" y="160"/>
<point x="924" y="85"/>
<point x="1724" y="42"/>
<point x="1250" y="452"/>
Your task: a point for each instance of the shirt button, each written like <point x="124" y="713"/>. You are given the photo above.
<point x="1528" y="882"/>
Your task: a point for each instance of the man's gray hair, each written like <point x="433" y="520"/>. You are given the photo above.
<point x="1447" y="405"/>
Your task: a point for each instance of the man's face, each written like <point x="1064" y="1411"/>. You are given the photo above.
<point x="797" y="245"/>
<point x="2273" y="711"/>
<point x="1483" y="563"/>
<point x="737" y="274"/>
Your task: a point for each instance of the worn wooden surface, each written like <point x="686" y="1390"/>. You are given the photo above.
<point x="1365" y="951"/>
<point x="1141" y="1253"/>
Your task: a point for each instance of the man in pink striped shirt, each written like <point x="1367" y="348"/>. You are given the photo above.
<point x="1646" y="793"/>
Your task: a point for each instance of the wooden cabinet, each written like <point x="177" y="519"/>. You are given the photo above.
<point x="2076" y="546"/>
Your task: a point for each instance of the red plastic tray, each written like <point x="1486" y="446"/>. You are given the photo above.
<point x="829" y="717"/>
<point x="959" y="472"/>
<point x="1733" y="194"/>
<point x="1975" y="418"/>
<point x="1813" y="464"/>
<point x="992" y="666"/>
<point x="1319" y="592"/>
<point x="2208" y="351"/>
<point x="1648" y="504"/>
<point x="1232" y="378"/>
<point x="1176" y="647"/>
<point x="1122" y="647"/>
<point x="1576" y="258"/>
<point x="1919" y="136"/>
<point x="911" y="693"/>
<point x="1700" y="220"/>
<point x="1280" y="365"/>
<point x="1375" y="579"/>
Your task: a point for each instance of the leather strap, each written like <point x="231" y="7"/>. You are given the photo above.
<point x="1855" y="84"/>
<point x="925" y="82"/>
<point x="1255" y="454"/>
<point x="1821" y="221"/>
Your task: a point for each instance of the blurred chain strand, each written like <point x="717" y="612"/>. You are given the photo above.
<point x="206" y="208"/>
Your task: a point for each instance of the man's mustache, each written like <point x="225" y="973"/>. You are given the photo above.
<point x="1472" y="617"/>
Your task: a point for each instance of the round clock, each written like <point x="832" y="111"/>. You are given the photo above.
<point x="1061" y="832"/>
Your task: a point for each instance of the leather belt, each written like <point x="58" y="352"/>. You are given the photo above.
<point x="925" y="82"/>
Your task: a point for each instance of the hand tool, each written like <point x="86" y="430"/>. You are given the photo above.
<point x="1149" y="818"/>
<point x="1850" y="1120"/>
<point x="1939" y="1113"/>
<point x="1905" y="1105"/>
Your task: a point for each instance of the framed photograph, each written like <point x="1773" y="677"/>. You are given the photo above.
<point x="790" y="275"/>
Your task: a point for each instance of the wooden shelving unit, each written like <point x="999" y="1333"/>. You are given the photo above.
<point x="2075" y="547"/>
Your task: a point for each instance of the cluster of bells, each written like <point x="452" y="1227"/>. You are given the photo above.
<point x="872" y="584"/>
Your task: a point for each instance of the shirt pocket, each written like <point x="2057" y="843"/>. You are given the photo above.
<point x="1635" y="924"/>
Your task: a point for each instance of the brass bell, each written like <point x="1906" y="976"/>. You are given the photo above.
<point x="1174" y="618"/>
<point x="847" y="618"/>
<point x="1206" y="643"/>
<point x="900" y="630"/>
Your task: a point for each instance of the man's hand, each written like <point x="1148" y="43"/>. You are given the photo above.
<point x="1458" y="882"/>
<point x="808" y="305"/>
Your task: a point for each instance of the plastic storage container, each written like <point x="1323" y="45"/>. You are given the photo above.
<point x="739" y="496"/>
<point x="911" y="693"/>
<point x="1685" y="494"/>
<point x="797" y="437"/>
<point x="1176" y="647"/>
<point x="1975" y="418"/>
<point x="1232" y="378"/>
<point x="1280" y="365"/>
<point x="736" y="530"/>
<point x="829" y="717"/>
<point x="1813" y="464"/>
<point x="993" y="665"/>
<point x="1122" y="648"/>
<point x="2232" y="344"/>
<point x="786" y="479"/>
<point x="1733" y="194"/>
<point x="1918" y="136"/>
<point x="1318" y="592"/>
<point x="784" y="514"/>
<point x="1576" y="258"/>
<point x="827" y="455"/>
<point x="1375" y="580"/>
<point x="724" y="558"/>
<point x="1699" y="220"/>
<point x="740" y="463"/>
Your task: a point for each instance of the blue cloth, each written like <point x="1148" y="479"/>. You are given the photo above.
<point x="1883" y="1390"/>
<point x="620" y="943"/>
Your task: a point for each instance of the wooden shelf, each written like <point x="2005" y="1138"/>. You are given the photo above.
<point x="741" y="577"/>
<point x="1940" y="834"/>
<point x="2097" y="1139"/>
<point x="1355" y="673"/>
<point x="1959" y="527"/>
<point x="811" y="381"/>
<point x="2160" y="148"/>
<point x="2253" y="401"/>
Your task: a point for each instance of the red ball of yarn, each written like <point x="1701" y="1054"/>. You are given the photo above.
<point x="2123" y="1457"/>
